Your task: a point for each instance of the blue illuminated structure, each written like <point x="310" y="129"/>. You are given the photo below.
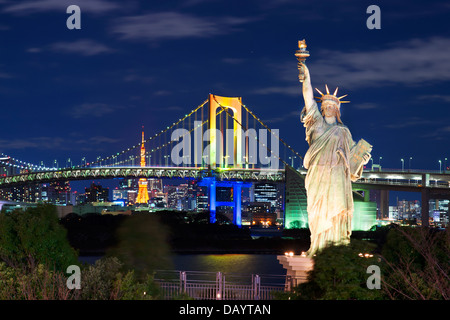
<point x="237" y="186"/>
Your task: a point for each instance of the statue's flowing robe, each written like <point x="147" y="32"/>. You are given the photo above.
<point x="328" y="180"/>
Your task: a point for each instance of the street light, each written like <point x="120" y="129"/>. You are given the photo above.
<point x="292" y="161"/>
<point x="379" y="162"/>
<point x="403" y="164"/>
<point x="186" y="162"/>
<point x="410" y="158"/>
<point x="166" y="157"/>
<point x="246" y="162"/>
<point x="440" y="166"/>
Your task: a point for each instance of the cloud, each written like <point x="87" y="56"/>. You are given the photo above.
<point x="96" y="140"/>
<point x="414" y="62"/>
<point x="46" y="143"/>
<point x="4" y="75"/>
<point x="133" y="77"/>
<point x="435" y="97"/>
<point x="439" y="133"/>
<point x="409" y="63"/>
<point x="173" y="25"/>
<point x="365" y="105"/>
<point x="173" y="108"/>
<point x="93" y="110"/>
<point x="409" y="122"/>
<point x="233" y="60"/>
<point x="55" y="143"/>
<point x="162" y="93"/>
<point x="38" y="6"/>
<point x="85" y="47"/>
<point x="284" y="117"/>
<point x="290" y="90"/>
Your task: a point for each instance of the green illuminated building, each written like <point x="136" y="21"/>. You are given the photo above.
<point x="296" y="215"/>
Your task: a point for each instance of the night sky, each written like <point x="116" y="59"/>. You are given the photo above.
<point x="84" y="93"/>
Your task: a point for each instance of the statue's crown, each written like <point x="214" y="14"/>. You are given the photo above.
<point x="331" y="97"/>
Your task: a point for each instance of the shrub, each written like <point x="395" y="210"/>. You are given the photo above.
<point x="142" y="245"/>
<point x="417" y="264"/>
<point x="339" y="274"/>
<point x="33" y="236"/>
<point x="33" y="283"/>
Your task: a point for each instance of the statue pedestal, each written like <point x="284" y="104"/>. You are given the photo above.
<point x="297" y="269"/>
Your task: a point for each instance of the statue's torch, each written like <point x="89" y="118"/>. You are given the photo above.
<point x="301" y="55"/>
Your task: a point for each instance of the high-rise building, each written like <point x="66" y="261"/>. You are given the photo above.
<point x="439" y="213"/>
<point x="155" y="185"/>
<point x="201" y="197"/>
<point x="267" y="192"/>
<point x="96" y="193"/>
<point x="408" y="210"/>
<point x="177" y="196"/>
<point x="381" y="198"/>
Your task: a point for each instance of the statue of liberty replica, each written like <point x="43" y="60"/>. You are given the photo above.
<point x="333" y="161"/>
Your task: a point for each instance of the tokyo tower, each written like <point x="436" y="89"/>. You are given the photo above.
<point x="143" y="191"/>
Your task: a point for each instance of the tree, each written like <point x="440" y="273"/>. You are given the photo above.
<point x="417" y="264"/>
<point x="340" y="273"/>
<point x="142" y="244"/>
<point x="34" y="236"/>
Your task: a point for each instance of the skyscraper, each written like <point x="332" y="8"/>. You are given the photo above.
<point x="267" y="192"/>
<point x="96" y="193"/>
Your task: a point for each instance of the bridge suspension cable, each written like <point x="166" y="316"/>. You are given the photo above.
<point x="265" y="126"/>
<point x="145" y="141"/>
<point x="224" y="108"/>
<point x="22" y="164"/>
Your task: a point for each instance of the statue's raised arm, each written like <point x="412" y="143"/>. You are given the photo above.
<point x="308" y="94"/>
<point x="303" y="76"/>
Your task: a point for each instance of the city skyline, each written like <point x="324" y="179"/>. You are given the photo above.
<point x="88" y="92"/>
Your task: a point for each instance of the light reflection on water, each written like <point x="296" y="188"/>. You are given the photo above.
<point x="230" y="263"/>
<point x="226" y="263"/>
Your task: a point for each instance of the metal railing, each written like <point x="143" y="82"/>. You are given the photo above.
<point x="201" y="285"/>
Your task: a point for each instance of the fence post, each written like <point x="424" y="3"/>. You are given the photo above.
<point x="256" y="286"/>
<point x="219" y="286"/>
<point x="183" y="281"/>
<point x="288" y="283"/>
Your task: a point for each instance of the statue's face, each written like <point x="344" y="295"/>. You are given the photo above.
<point x="329" y="108"/>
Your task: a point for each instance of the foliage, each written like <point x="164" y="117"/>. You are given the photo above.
<point x="32" y="283"/>
<point x="417" y="264"/>
<point x="414" y="264"/>
<point x="35" y="236"/>
<point x="104" y="281"/>
<point x="101" y="281"/>
<point x="142" y="245"/>
<point x="339" y="274"/>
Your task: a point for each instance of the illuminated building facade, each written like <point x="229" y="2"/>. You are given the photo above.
<point x="96" y="193"/>
<point x="267" y="192"/>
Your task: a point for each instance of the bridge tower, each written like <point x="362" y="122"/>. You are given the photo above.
<point x="216" y="151"/>
<point x="216" y="156"/>
<point x="143" y="190"/>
